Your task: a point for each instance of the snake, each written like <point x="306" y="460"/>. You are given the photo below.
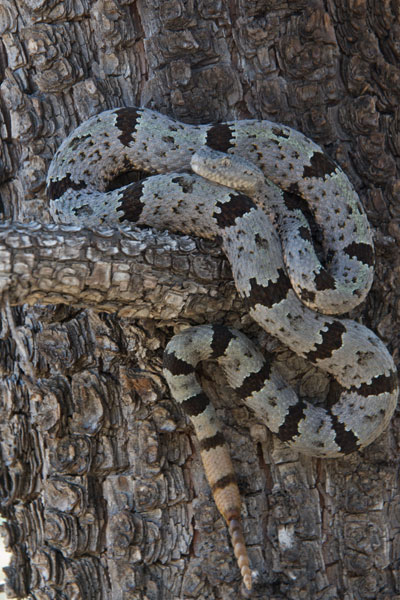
<point x="301" y="252"/>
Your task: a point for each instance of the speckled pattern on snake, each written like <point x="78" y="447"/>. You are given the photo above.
<point x="257" y="186"/>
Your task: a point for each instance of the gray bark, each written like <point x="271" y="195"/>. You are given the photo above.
<point x="101" y="481"/>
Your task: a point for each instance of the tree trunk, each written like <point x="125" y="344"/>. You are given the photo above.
<point x="102" y="486"/>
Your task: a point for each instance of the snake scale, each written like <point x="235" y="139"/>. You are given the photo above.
<point x="259" y="187"/>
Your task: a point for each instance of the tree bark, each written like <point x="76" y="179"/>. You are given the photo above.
<point x="101" y="482"/>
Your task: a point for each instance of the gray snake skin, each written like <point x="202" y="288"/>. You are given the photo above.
<point x="261" y="188"/>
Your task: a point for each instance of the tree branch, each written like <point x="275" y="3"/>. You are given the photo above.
<point x="137" y="273"/>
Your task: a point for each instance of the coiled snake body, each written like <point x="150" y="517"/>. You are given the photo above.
<point x="252" y="178"/>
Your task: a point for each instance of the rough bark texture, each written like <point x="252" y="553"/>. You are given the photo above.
<point x="101" y="481"/>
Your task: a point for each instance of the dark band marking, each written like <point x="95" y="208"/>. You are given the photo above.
<point x="222" y="336"/>
<point x="320" y="165"/>
<point x="219" y="137"/>
<point x="331" y="341"/>
<point x="305" y="233"/>
<point x="224" y="482"/>
<point x="127" y="122"/>
<point x="334" y="393"/>
<point x="346" y="440"/>
<point x="255" y="381"/>
<point x="212" y="442"/>
<point x="290" y="427"/>
<point x="363" y="252"/>
<point x="324" y="281"/>
<point x="379" y="385"/>
<point x="271" y="294"/>
<point x="130" y="203"/>
<point x="175" y="365"/>
<point x="293" y="199"/>
<point x="56" y="188"/>
<point x="128" y="174"/>
<point x="238" y="205"/>
<point x="195" y="405"/>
